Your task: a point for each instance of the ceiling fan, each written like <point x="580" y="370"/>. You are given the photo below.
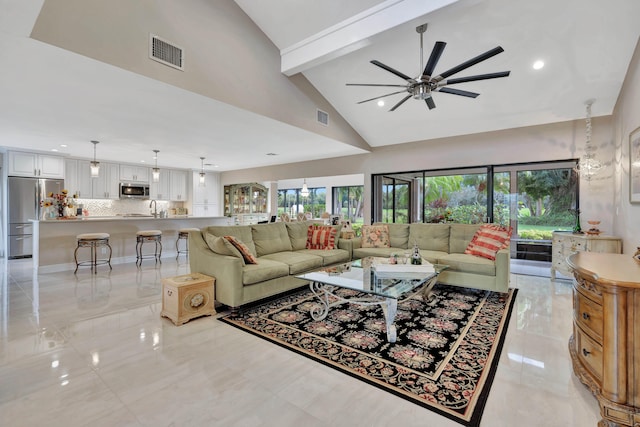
<point x="423" y="86"/>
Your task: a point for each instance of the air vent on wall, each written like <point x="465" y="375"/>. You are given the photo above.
<point x="323" y="117"/>
<point x="166" y="52"/>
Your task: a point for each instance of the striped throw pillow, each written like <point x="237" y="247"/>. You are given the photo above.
<point x="488" y="240"/>
<point x="321" y="237"/>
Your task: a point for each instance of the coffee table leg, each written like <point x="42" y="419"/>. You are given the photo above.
<point x="320" y="291"/>
<point x="390" y="309"/>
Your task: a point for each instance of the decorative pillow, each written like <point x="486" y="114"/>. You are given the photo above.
<point x="222" y="246"/>
<point x="244" y="250"/>
<point x="488" y="240"/>
<point x="375" y="236"/>
<point x="321" y="237"/>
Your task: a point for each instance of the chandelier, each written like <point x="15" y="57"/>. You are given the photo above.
<point x="589" y="166"/>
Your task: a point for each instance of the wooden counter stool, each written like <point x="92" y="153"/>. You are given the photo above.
<point x="148" y="236"/>
<point x="183" y="234"/>
<point x="92" y="241"/>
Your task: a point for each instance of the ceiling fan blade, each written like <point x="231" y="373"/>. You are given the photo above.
<point x="430" y="103"/>
<point x="458" y="92"/>
<point x="434" y="58"/>
<point x="477" y="77"/>
<point x="391" y="70"/>
<point x="473" y="61"/>
<point x="382" y="96"/>
<point x="373" y="84"/>
<point x="401" y="102"/>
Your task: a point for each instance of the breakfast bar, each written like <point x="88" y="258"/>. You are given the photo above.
<point x="54" y="241"/>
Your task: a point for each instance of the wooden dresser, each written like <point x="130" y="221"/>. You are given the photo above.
<point x="605" y="345"/>
<point x="565" y="243"/>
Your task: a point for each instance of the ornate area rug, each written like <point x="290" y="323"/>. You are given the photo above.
<point x="444" y="358"/>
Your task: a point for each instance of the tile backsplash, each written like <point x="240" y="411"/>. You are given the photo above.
<point x="98" y="207"/>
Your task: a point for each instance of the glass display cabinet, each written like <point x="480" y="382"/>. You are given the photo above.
<point x="246" y="203"/>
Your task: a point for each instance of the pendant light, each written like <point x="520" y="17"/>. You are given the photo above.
<point x="202" y="174"/>
<point x="305" y="190"/>
<point x="94" y="165"/>
<point x="589" y="165"/>
<point x="155" y="172"/>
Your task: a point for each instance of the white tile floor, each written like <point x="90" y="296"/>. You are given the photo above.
<point x="78" y="350"/>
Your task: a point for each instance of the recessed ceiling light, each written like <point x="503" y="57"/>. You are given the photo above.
<point x="538" y="64"/>
<point x="271" y="154"/>
<point x="142" y="161"/>
<point x="381" y="103"/>
<point x="54" y="149"/>
<point x="63" y="145"/>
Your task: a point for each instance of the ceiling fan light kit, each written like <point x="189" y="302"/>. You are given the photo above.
<point x="423" y="86"/>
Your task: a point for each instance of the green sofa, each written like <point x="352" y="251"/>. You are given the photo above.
<point x="281" y="252"/>
<point x="445" y="244"/>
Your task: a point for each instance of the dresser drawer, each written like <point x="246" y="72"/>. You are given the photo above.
<point x="588" y="315"/>
<point x="589" y="352"/>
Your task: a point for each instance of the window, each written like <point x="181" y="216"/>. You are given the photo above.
<point x="347" y="202"/>
<point x="533" y="198"/>
<point x="292" y="202"/>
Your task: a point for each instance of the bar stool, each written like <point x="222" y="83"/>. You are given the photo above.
<point x="148" y="236"/>
<point x="92" y="241"/>
<point x="183" y="234"/>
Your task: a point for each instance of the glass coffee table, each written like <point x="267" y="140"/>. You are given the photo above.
<point x="383" y="283"/>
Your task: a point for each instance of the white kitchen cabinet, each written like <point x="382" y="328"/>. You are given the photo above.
<point x="178" y="185"/>
<point x="207" y="194"/>
<point x="134" y="173"/>
<point x="35" y="165"/>
<point x="206" y="198"/>
<point x="77" y="178"/>
<point x="71" y="176"/>
<point x="160" y="190"/>
<point x="565" y="243"/>
<point x="106" y="185"/>
<point x="207" y="210"/>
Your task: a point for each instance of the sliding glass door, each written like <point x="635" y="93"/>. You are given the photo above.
<point x="533" y="198"/>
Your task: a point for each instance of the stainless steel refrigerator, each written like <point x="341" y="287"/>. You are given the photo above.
<point x="25" y="195"/>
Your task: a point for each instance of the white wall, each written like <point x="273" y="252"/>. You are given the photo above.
<point x="626" y="118"/>
<point x="558" y="141"/>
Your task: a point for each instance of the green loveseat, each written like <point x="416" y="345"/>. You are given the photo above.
<point x="281" y="252"/>
<point x="445" y="244"/>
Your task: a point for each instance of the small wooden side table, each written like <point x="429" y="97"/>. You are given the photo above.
<point x="188" y="296"/>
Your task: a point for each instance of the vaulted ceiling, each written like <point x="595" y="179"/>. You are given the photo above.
<point x="53" y="93"/>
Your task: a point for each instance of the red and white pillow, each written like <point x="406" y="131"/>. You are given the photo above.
<point x="321" y="237"/>
<point x="488" y="240"/>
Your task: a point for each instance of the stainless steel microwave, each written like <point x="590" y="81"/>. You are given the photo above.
<point x="134" y="191"/>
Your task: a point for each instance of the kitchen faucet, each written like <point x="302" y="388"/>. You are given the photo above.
<point x="155" y="208"/>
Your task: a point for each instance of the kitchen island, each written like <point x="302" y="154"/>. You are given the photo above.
<point x="54" y="241"/>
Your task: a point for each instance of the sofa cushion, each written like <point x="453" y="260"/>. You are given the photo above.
<point x="433" y="237"/>
<point x="222" y="246"/>
<point x="469" y="264"/>
<point x="380" y="252"/>
<point x="297" y="261"/>
<point x="266" y="269"/>
<point x="321" y="237"/>
<point x="241" y="232"/>
<point x="398" y="235"/>
<point x="270" y="238"/>
<point x="433" y="257"/>
<point x="329" y="257"/>
<point x="297" y="231"/>
<point x="375" y="236"/>
<point x="243" y="249"/>
<point x="488" y="240"/>
<point x="460" y="237"/>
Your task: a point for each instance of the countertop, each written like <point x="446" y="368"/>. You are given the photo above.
<point x="125" y="218"/>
